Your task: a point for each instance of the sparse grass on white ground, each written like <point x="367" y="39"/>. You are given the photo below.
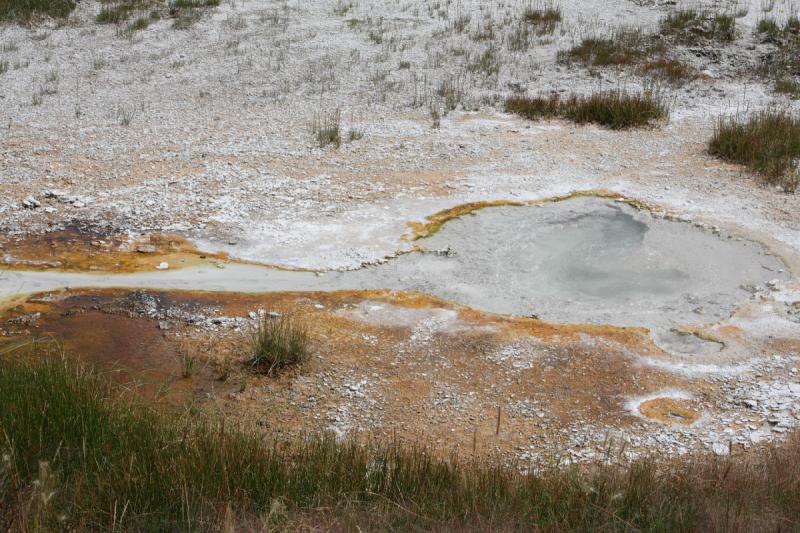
<point x="209" y="131"/>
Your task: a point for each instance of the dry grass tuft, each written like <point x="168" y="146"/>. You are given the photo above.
<point x="670" y="70"/>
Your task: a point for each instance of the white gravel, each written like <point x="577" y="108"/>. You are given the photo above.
<point x="219" y="145"/>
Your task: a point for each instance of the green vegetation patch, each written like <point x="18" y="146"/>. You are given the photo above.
<point x="625" y="47"/>
<point x="278" y="342"/>
<point x="788" y="87"/>
<point x="192" y="4"/>
<point x="77" y="456"/>
<point x="694" y="27"/>
<point x="649" y="55"/>
<point x="543" y="19"/>
<point x="327" y="128"/>
<point x="782" y="63"/>
<point x="117" y="12"/>
<point x="613" y="109"/>
<point x="768" y="26"/>
<point x="28" y="10"/>
<point x="767" y="142"/>
<point x="184" y="12"/>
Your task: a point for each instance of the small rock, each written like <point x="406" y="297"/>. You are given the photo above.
<point x="30" y="203"/>
<point x="162" y="266"/>
<point x="53" y="193"/>
<point x="146" y="249"/>
<point x="30" y="319"/>
<point x="720" y="448"/>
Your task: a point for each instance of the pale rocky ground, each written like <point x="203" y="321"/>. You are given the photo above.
<point x="219" y="148"/>
<point x="207" y="133"/>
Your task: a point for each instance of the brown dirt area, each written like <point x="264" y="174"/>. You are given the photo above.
<point x="440" y="375"/>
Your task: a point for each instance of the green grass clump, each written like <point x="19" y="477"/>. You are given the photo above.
<point x="140" y="23"/>
<point x="782" y="64"/>
<point x="626" y="47"/>
<point x="768" y="27"/>
<point x="278" y="342"/>
<point x="192" y="4"/>
<point x="77" y="456"/>
<point x="486" y="62"/>
<point x="185" y="12"/>
<point x="723" y="28"/>
<point x="631" y="48"/>
<point x="543" y="19"/>
<point x="613" y="109"/>
<point x="617" y="109"/>
<point x="788" y="87"/>
<point x="693" y="27"/>
<point x="115" y="13"/>
<point x="536" y="16"/>
<point x="534" y="108"/>
<point x="679" y="21"/>
<point x="327" y="128"/>
<point x="452" y="92"/>
<point x="119" y="11"/>
<point x="27" y="10"/>
<point x="767" y="142"/>
<point x="600" y="52"/>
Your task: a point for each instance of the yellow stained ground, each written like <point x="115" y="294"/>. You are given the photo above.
<point x="444" y="388"/>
